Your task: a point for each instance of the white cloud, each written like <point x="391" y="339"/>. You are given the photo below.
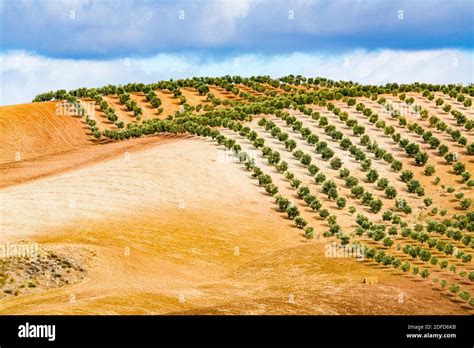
<point x="23" y="74"/>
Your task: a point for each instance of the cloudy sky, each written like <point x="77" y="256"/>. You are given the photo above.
<point x="52" y="44"/>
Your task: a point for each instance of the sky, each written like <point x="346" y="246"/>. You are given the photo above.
<point x="52" y="44"/>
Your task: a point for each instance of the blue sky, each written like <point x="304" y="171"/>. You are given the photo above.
<point x="110" y="29"/>
<point x="85" y="43"/>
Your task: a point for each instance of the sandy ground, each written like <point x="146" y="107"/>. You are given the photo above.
<point x="179" y="228"/>
<point x="193" y="97"/>
<point x="34" y="130"/>
<point x="249" y="90"/>
<point x="211" y="244"/>
<point x="120" y="110"/>
<point x="15" y="173"/>
<point x="222" y="94"/>
<point x="169" y="104"/>
<point x="148" y="111"/>
<point x="96" y="114"/>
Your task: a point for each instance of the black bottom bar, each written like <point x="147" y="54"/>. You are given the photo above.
<point x="355" y="331"/>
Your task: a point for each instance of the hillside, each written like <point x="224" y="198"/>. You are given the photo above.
<point x="224" y="195"/>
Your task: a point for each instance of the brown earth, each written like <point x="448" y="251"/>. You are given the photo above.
<point x="35" y="130"/>
<point x="178" y="228"/>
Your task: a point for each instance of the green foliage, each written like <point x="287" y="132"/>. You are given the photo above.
<point x="309" y="232"/>
<point x="282" y="203"/>
<point x="396" y="166"/>
<point x="320" y="178"/>
<point x="429" y="170"/>
<point x="390" y="192"/>
<point x="323" y="213"/>
<point x="271" y="189"/>
<point x="336" y="163"/>
<point x="387" y="242"/>
<point x="292" y="212"/>
<point x="458" y="168"/>
<point x="341" y="202"/>
<point x="465" y="204"/>
<point x="375" y="205"/>
<point x="300" y="222"/>
<point x="382" y="183"/>
<point x="372" y="175"/>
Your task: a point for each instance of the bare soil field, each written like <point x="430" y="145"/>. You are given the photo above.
<point x="169" y="104"/>
<point x="173" y="223"/>
<point x="193" y="97"/>
<point x="35" y="130"/>
<point x="208" y="245"/>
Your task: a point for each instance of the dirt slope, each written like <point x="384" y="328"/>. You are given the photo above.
<point x="35" y="130"/>
<point x="178" y="229"/>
